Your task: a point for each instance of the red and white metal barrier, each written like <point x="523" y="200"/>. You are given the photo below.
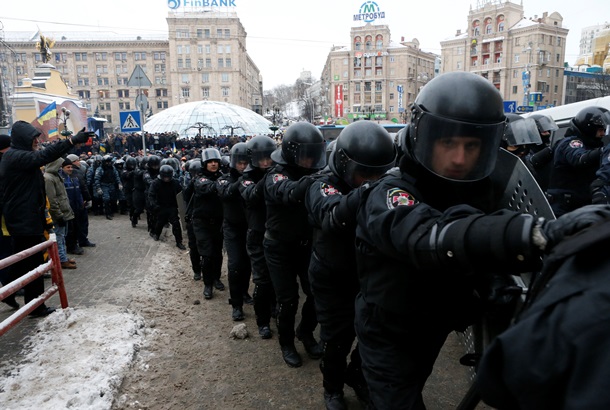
<point x="53" y="265"/>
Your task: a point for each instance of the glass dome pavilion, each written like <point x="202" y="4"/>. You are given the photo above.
<point x="211" y="118"/>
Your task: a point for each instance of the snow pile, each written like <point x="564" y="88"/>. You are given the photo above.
<point x="76" y="360"/>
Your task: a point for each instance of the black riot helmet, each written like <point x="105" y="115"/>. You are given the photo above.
<point x="174" y="163"/>
<point x="195" y="167"/>
<point x="591" y="119"/>
<point x="330" y="148"/>
<point x="143" y="162"/>
<point x="520" y="131"/>
<point x="210" y="154"/>
<point x="131" y="163"/>
<point x="107" y="160"/>
<point x="259" y="149"/>
<point x="457" y="113"/>
<point x="239" y="152"/>
<point x="302" y="146"/>
<point x="544" y="123"/>
<point x="363" y="152"/>
<point x="166" y="173"/>
<point x="154" y="162"/>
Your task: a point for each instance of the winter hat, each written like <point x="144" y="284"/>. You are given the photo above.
<point x="73" y="158"/>
<point x="66" y="162"/>
<point x="5" y="141"/>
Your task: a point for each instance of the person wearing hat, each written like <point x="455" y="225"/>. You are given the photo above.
<point x="6" y="246"/>
<point x="81" y="217"/>
<point x="24" y="194"/>
<point x="60" y="209"/>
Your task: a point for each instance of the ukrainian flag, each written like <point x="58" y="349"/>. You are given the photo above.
<point x="49" y="112"/>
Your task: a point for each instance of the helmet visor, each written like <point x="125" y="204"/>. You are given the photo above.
<point x="261" y="158"/>
<point x="456" y="150"/>
<point x="355" y="173"/>
<point x="306" y="155"/>
<point x="522" y="132"/>
<point x="546" y="124"/>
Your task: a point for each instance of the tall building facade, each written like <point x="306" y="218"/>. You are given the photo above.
<point x="374" y="78"/>
<point x="588" y="46"/>
<point x="203" y="57"/>
<point x="522" y="57"/>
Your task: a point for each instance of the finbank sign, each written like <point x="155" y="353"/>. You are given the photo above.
<point x="369" y="12"/>
<point x="175" y="4"/>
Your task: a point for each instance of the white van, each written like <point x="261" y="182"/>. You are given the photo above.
<point x="563" y="114"/>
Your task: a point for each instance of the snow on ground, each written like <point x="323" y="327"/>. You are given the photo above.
<point x="76" y="360"/>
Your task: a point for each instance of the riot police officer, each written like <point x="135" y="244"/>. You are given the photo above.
<point x="150" y="174"/>
<point x="127" y="177"/>
<point x="163" y="202"/>
<point x="207" y="221"/>
<point x="193" y="172"/>
<point x="287" y="239"/>
<point x="107" y="185"/>
<point x="138" y="196"/>
<point x="251" y="189"/>
<point x="576" y="159"/>
<point x="234" y="228"/>
<point x="540" y="159"/>
<point x="362" y="152"/>
<point x="429" y="231"/>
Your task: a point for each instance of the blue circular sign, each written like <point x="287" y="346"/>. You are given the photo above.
<point x="173" y="4"/>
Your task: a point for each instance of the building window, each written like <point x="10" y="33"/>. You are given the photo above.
<point x="187" y="63"/>
<point x="208" y="62"/>
<point x="459" y="65"/>
<point x="80" y="56"/>
<point x="206" y="33"/>
<point x="205" y="77"/>
<point x="185" y="91"/>
<point x="514" y="89"/>
<point x="161" y="92"/>
<point x="208" y="49"/>
<point x="345" y="74"/>
<point x="180" y="63"/>
<point x="517" y="56"/>
<point x="199" y="33"/>
<point x="205" y="91"/>
<point x="221" y="62"/>
<point x="377" y="85"/>
<point x="101" y="56"/>
<point x="219" y="49"/>
<point x="227" y="33"/>
<point x="83" y="82"/>
<point x="227" y="62"/>
<point x="224" y="91"/>
<point x="199" y="49"/>
<point x="159" y="68"/>
<point x="120" y="56"/>
<point x="379" y="42"/>
<point x="185" y="79"/>
<point x="178" y="49"/>
<point x="218" y="33"/>
<point x="159" y="55"/>
<point x="123" y="93"/>
<point x="124" y="105"/>
<point x="391" y="96"/>
<point x="84" y="94"/>
<point x="225" y="77"/>
<point x="182" y="33"/>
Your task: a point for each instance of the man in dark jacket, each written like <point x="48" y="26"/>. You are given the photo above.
<point x="556" y="355"/>
<point x="25" y="198"/>
<point x="81" y="220"/>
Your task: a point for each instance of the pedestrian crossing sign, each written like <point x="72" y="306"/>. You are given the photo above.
<point x="130" y="121"/>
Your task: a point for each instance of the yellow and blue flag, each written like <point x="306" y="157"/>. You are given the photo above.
<point x="49" y="112"/>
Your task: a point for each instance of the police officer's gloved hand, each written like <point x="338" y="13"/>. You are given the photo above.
<point x="99" y="192"/>
<point x="81" y="137"/>
<point x="120" y="187"/>
<point x="547" y="234"/>
<point x="300" y="190"/>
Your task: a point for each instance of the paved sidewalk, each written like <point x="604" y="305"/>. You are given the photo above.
<point x="121" y="257"/>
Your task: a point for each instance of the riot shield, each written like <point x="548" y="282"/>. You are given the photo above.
<point x="518" y="188"/>
<point x="181" y="210"/>
<point x="518" y="191"/>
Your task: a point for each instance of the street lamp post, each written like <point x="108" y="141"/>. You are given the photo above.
<point x="66" y="115"/>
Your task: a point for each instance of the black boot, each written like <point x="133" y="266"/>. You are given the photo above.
<point x="108" y="211"/>
<point x="312" y="347"/>
<point x="208" y="291"/>
<point x="238" y="314"/>
<point x="291" y="356"/>
<point x="334" y="401"/>
<point x="10" y="300"/>
<point x="355" y="379"/>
